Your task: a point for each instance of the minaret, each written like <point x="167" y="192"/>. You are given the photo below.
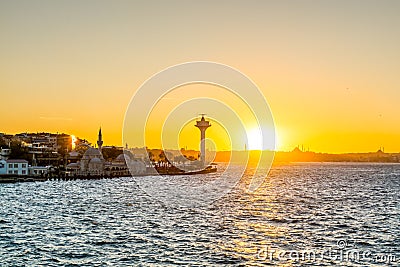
<point x="100" y="140"/>
<point x="202" y="125"/>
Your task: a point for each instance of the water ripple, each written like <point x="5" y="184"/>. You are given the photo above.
<point x="112" y="222"/>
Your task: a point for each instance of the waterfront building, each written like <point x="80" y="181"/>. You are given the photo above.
<point x="73" y="157"/>
<point x="17" y="166"/>
<point x="93" y="163"/>
<point x="42" y="144"/>
<point x="73" y="168"/>
<point x="128" y="163"/>
<point x="3" y="166"/>
<point x="38" y="170"/>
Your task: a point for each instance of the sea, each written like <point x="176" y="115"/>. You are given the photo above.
<point x="303" y="214"/>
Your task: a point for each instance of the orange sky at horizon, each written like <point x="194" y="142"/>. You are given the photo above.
<point x="329" y="70"/>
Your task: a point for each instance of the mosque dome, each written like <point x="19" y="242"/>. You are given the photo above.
<point x="96" y="165"/>
<point x="121" y="157"/>
<point x="129" y="154"/>
<point x="92" y="153"/>
<point x="95" y="160"/>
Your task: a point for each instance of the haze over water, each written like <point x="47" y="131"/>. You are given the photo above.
<point x="318" y="207"/>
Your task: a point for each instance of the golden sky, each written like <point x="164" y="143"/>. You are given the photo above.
<point x="328" y="69"/>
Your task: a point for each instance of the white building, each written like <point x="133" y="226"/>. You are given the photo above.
<point x="3" y="166"/>
<point x="38" y="170"/>
<point x="17" y="166"/>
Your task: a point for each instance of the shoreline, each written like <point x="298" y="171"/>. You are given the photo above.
<point x="7" y="179"/>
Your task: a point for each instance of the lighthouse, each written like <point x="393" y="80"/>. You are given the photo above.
<point x="202" y="125"/>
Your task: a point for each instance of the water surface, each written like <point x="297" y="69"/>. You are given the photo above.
<point x="328" y="209"/>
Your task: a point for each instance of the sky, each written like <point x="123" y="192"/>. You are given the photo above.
<point x="328" y="69"/>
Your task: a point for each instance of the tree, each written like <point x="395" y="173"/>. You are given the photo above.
<point x="162" y="156"/>
<point x="81" y="148"/>
<point x="3" y="143"/>
<point x="150" y="155"/>
<point x="111" y="153"/>
<point x="18" y="151"/>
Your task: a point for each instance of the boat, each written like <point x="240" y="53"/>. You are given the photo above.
<point x="176" y="171"/>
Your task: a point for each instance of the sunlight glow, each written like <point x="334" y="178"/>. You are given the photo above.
<point x="73" y="141"/>
<point x="254" y="139"/>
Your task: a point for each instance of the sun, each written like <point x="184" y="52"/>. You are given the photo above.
<point x="254" y="139"/>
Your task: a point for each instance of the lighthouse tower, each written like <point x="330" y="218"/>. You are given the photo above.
<point x="100" y="140"/>
<point x="202" y="125"/>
